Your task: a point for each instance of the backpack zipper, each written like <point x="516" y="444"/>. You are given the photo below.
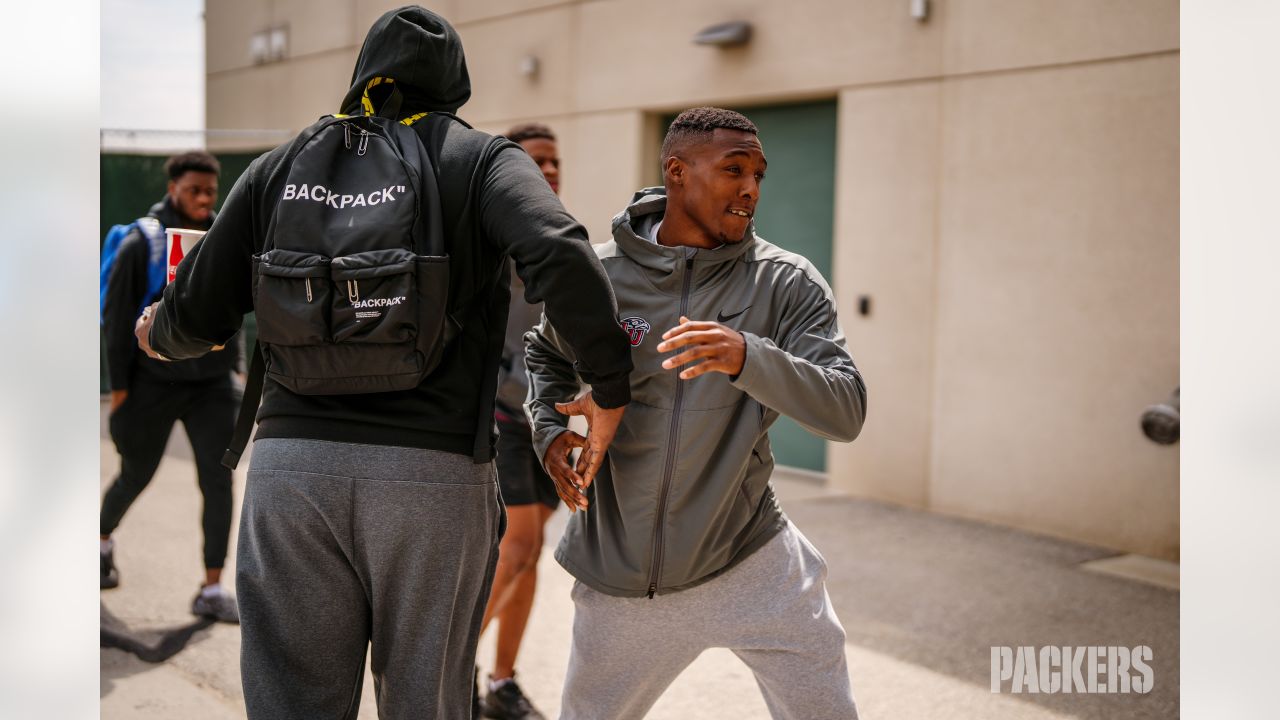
<point x="655" y="561"/>
<point x="308" y="289"/>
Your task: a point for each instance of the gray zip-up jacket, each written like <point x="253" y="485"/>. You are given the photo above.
<point x="685" y="493"/>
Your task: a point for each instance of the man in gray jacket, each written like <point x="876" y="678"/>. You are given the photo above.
<point x="682" y="545"/>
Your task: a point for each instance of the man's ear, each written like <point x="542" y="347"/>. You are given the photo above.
<point x="673" y="170"/>
<point x="173" y="186"/>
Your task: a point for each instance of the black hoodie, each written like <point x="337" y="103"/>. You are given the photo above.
<point x="126" y="289"/>
<point x="495" y="204"/>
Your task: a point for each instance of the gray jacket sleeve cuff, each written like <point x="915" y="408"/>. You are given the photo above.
<point x="754" y="361"/>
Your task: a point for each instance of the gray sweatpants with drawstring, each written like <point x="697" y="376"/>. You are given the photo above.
<point x="772" y="610"/>
<point x="344" y="545"/>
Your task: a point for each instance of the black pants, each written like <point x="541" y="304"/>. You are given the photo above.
<point x="140" y="429"/>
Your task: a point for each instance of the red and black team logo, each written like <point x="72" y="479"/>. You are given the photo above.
<point x="637" y="328"/>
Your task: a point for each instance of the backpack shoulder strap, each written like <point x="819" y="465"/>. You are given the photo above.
<point x="110" y="248"/>
<point x="157" y="267"/>
<point x="429" y="227"/>
<point x="248" y="408"/>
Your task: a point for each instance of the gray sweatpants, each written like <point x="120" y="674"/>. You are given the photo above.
<point x="343" y="545"/>
<point x="771" y="610"/>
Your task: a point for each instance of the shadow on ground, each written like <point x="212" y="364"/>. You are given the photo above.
<point x="939" y="592"/>
<point x="150" y="645"/>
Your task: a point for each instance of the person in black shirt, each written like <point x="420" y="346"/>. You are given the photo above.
<point x="148" y="396"/>
<point x="371" y="522"/>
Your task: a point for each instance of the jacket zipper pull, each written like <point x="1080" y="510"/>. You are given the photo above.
<point x="308" y="289"/>
<point x="653" y="588"/>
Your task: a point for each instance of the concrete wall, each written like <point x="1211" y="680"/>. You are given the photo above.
<point x="1007" y="194"/>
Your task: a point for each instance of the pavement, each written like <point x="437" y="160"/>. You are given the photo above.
<point x="923" y="598"/>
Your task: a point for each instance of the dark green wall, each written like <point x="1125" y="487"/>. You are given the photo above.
<point x="131" y="184"/>
<point x="797" y="212"/>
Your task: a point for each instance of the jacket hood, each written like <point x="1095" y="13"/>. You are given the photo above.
<point x="632" y="226"/>
<point x="422" y="53"/>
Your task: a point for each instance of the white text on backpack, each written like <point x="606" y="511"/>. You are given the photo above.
<point x="321" y="194"/>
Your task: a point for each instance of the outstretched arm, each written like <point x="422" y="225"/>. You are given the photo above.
<point x="807" y="375"/>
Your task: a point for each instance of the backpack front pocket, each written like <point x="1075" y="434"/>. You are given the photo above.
<point x="291" y="296"/>
<point x="373" y="297"/>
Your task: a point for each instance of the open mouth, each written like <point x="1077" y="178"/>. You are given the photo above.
<point x="740" y="212"/>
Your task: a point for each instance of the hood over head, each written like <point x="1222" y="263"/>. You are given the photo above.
<point x="423" y="54"/>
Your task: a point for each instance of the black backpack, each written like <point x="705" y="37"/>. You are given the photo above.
<point x="352" y="285"/>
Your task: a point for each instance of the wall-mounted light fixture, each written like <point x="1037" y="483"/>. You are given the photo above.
<point x="258" y="48"/>
<point x="270" y="45"/>
<point x="278" y="43"/>
<point x="529" y="66"/>
<point x="920" y="10"/>
<point x="730" y="34"/>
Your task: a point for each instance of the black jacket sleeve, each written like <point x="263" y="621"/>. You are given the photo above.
<point x="126" y="288"/>
<point x="553" y="256"/>
<point x="207" y="301"/>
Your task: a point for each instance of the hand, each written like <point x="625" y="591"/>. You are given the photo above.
<point x="720" y="348"/>
<point x="568" y="482"/>
<point x="602" y="425"/>
<point x="117" y="399"/>
<point x="142" y="331"/>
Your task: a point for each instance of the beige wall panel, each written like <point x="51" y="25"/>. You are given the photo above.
<point x="600" y="163"/>
<point x="999" y="34"/>
<point x="470" y="11"/>
<point x="886" y="215"/>
<point x="288" y="95"/>
<point x="1058" y="302"/>
<point x="601" y="154"/>
<point x="315" y="26"/>
<point x="499" y="93"/>
<point x="238" y="100"/>
<point x="632" y="58"/>
<point x="228" y="25"/>
<point x="321" y="81"/>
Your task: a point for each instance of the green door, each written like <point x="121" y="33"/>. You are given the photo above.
<point x="797" y="212"/>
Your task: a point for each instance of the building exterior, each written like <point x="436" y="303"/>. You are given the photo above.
<point x="990" y="185"/>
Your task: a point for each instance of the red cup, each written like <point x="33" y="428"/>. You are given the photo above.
<point x="181" y="240"/>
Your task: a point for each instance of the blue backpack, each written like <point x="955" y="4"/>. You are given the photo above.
<point x="157" y="269"/>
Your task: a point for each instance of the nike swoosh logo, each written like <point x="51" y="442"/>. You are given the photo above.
<point x="721" y="317"/>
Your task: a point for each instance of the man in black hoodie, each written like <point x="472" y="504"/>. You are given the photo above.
<point x="148" y="397"/>
<point x="376" y="518"/>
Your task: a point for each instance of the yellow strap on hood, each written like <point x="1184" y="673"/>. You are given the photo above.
<point x="367" y="104"/>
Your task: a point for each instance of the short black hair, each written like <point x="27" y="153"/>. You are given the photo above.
<point x="197" y="160"/>
<point x="529" y="131"/>
<point x="699" y="123"/>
